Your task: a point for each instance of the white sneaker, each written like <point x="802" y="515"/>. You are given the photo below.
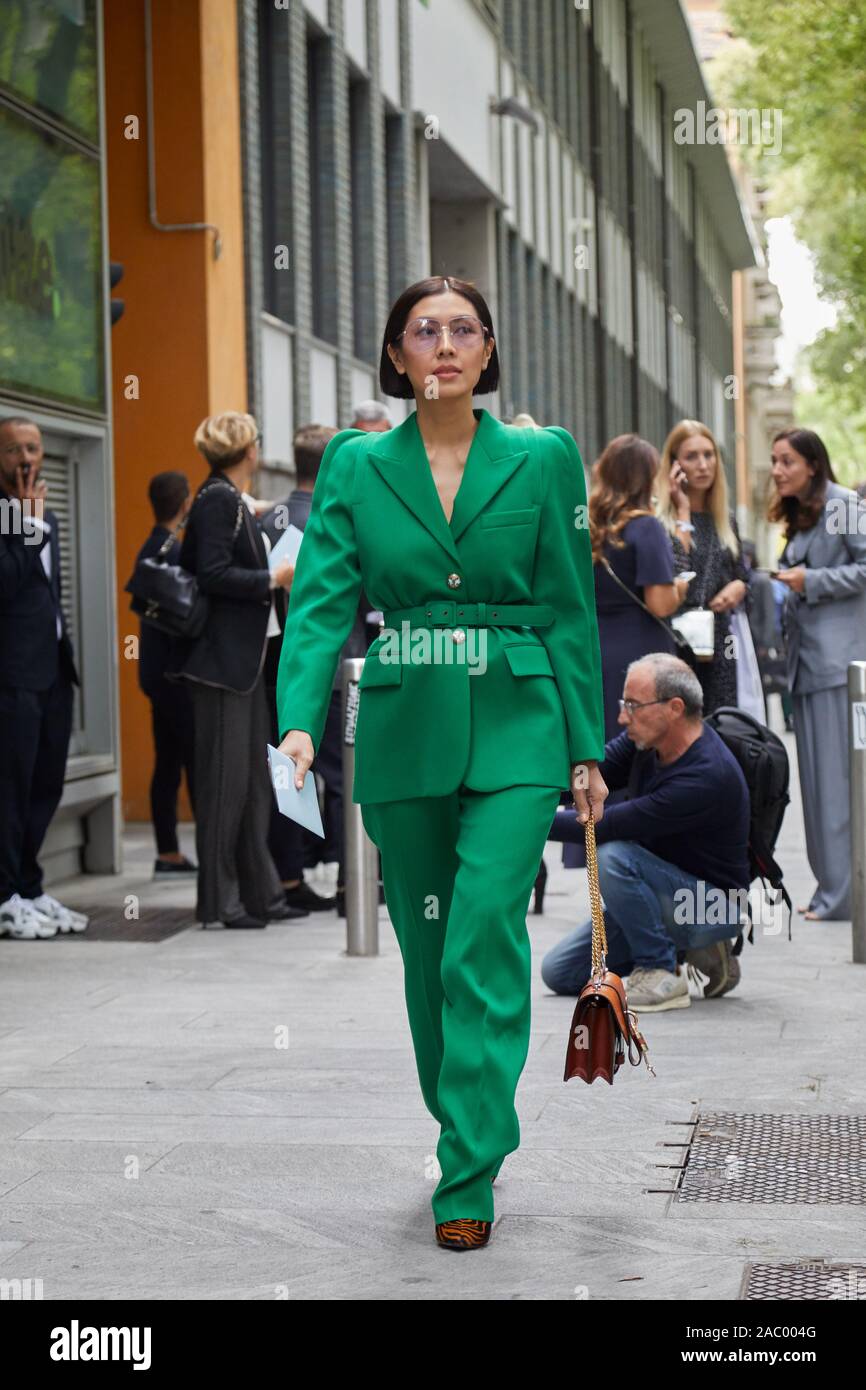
<point x="650" y="991"/>
<point x="64" y="918"/>
<point x="22" y="921"/>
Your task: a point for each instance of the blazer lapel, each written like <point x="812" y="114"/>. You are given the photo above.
<point x="401" y="459"/>
<point x="491" y="462"/>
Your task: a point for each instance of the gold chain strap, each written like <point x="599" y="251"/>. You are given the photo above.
<point x="599" y="936"/>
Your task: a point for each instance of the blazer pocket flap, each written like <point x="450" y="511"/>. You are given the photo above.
<point x="512" y="518"/>
<point x="378" y="672"/>
<point x="528" y="660"/>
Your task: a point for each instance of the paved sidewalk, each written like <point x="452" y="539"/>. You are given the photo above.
<point x="158" y="1142"/>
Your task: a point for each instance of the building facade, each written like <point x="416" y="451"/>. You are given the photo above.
<point x="531" y="148"/>
<point x="267" y="176"/>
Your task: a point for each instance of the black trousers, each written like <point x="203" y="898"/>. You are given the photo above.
<point x="329" y="764"/>
<point x="293" y="848"/>
<point x="174" y="749"/>
<point x="233" y="805"/>
<point x="35" y="726"/>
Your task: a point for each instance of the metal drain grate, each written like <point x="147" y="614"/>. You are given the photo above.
<point x="775" y="1158"/>
<point x="809" y="1279"/>
<point x="152" y="924"/>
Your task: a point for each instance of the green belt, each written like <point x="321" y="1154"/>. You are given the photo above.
<point x="451" y="613"/>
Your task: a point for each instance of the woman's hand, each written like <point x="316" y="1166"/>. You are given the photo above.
<point x="298" y="746"/>
<point x="589" y="789"/>
<point x="682" y="588"/>
<point x="679" y="496"/>
<point x="729" y="597"/>
<point x="795" y="578"/>
<point x="283" y="575"/>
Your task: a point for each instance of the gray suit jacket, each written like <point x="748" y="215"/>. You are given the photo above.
<point x="826" y="626"/>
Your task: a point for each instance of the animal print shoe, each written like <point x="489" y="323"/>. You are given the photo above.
<point x="463" y="1234"/>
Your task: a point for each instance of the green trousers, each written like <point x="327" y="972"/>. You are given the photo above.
<point x="458" y="872"/>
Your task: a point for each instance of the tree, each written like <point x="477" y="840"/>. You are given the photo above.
<point x="807" y="61"/>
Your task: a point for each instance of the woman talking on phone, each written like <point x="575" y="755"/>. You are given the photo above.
<point x="693" y="507"/>
<point x="470" y="537"/>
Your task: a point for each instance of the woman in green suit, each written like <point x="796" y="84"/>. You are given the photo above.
<point x="479" y="703"/>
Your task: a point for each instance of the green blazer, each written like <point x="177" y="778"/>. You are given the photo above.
<point x="521" y="710"/>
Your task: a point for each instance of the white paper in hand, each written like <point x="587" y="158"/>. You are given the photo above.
<point x="301" y="806"/>
<point x="287" y="547"/>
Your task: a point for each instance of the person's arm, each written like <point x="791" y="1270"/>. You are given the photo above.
<point x="215" y="541"/>
<point x="618" y="757"/>
<point x="841" y="581"/>
<point x="735" y="590"/>
<point x="563" y="578"/>
<point x="683" y="559"/>
<point x="654" y="567"/>
<point x="324" y="597"/>
<point x="680" y="805"/>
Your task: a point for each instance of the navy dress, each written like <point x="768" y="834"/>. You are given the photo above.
<point x="625" y="631"/>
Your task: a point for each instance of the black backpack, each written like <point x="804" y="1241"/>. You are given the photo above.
<point x="764" y="762"/>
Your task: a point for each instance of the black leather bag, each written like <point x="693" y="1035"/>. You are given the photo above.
<point x="166" y="596"/>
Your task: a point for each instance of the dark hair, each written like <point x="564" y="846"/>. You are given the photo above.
<point x="390" y="380"/>
<point x="621" y="489"/>
<point x="167" y="493"/>
<point x="309" y="445"/>
<point x="802" y="515"/>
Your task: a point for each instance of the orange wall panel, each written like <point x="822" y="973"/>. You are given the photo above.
<point x="172" y="360"/>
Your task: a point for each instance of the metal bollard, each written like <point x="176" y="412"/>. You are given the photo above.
<point x="359" y="852"/>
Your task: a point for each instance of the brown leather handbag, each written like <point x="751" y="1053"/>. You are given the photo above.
<point x="603" y="1025"/>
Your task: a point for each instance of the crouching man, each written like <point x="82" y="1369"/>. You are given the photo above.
<point x="673" y="859"/>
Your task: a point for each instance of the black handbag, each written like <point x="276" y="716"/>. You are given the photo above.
<point x="167" y="596"/>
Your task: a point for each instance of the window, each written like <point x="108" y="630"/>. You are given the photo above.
<point x="275" y="125"/>
<point x="321" y="224"/>
<point x="363" y="269"/>
<point x="48" y="60"/>
<point x="51" y="303"/>
<point x="395" y="194"/>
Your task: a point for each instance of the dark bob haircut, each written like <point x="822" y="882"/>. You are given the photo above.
<point x="390" y="380"/>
